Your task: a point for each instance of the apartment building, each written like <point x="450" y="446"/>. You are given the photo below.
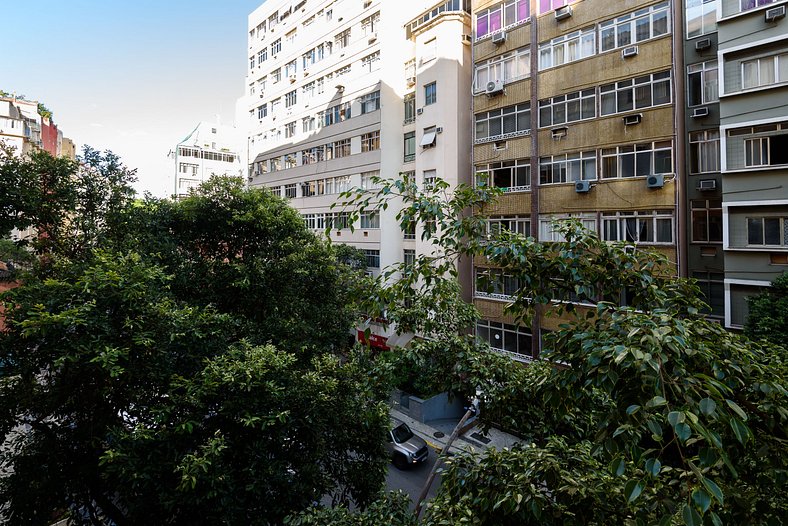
<point x="342" y="91"/>
<point x="210" y="149"/>
<point x="575" y="116"/>
<point x="20" y="124"/>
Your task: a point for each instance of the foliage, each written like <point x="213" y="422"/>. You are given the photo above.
<point x="391" y="509"/>
<point x="768" y="317"/>
<point x="44" y="111"/>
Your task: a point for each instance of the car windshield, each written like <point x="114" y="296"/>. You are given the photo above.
<point x="402" y="433"/>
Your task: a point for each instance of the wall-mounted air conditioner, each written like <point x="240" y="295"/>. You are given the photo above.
<point x="630" y="51"/>
<point x="467" y="40"/>
<point x="559" y="133"/>
<point x="655" y="181"/>
<point x="410" y="81"/>
<point x="630" y="120"/>
<point x="775" y="13"/>
<point x="703" y="43"/>
<point x="419" y="111"/>
<point x="582" y="187"/>
<point x="499" y="38"/>
<point x="439" y="129"/>
<point x="700" y="112"/>
<point x="493" y="87"/>
<point x="705" y="185"/>
<point x="563" y="12"/>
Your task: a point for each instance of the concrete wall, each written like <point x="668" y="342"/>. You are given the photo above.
<point x="438" y="407"/>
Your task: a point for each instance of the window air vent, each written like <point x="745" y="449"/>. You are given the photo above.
<point x="499" y="38"/>
<point x="703" y="43"/>
<point x="700" y="112"/>
<point x="705" y="185"/>
<point x="563" y="12"/>
<point x="775" y="13"/>
<point x="630" y="120"/>
<point x="419" y="111"/>
<point x="630" y="51"/>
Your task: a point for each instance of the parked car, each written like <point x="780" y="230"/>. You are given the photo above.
<point x="406" y="449"/>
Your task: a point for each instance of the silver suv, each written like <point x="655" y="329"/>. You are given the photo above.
<point x="406" y="449"/>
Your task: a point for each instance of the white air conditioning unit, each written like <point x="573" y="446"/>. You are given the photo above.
<point x="655" y="181"/>
<point x="439" y="129"/>
<point x="499" y="38"/>
<point x="700" y="112"/>
<point x="419" y="111"/>
<point x="630" y="120"/>
<point x="560" y="132"/>
<point x="705" y="185"/>
<point x="410" y="81"/>
<point x="630" y="51"/>
<point x="493" y="87"/>
<point x="582" y="187"/>
<point x="467" y="40"/>
<point x="775" y="13"/>
<point x="703" y="43"/>
<point x="563" y="12"/>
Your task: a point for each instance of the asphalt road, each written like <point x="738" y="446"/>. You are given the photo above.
<point x="412" y="480"/>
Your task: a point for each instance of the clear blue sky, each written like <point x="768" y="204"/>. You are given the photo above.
<point x="132" y="76"/>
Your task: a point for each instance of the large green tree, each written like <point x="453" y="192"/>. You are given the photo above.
<point x="768" y="316"/>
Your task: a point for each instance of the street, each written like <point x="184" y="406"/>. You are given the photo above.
<point x="412" y="480"/>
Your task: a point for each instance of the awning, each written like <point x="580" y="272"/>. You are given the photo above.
<point x="428" y="139"/>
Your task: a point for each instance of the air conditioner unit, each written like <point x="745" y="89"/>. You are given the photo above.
<point x="775" y="13"/>
<point x="700" y="112"/>
<point x="563" y="12"/>
<point x="493" y="87"/>
<point x="558" y="133"/>
<point x="411" y="81"/>
<point x="292" y="78"/>
<point x="630" y="51"/>
<point x="439" y="129"/>
<point x="467" y="40"/>
<point x="705" y="185"/>
<point x="373" y="37"/>
<point x="655" y="181"/>
<point x="419" y="111"/>
<point x="582" y="187"/>
<point x="630" y="120"/>
<point x="499" y="38"/>
<point x="703" y="43"/>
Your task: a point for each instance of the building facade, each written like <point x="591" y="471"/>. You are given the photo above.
<point x="342" y="91"/>
<point x="210" y="149"/>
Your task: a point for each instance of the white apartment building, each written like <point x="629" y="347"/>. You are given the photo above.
<point x="210" y="149"/>
<point x="339" y="91"/>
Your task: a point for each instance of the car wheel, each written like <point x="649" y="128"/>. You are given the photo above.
<point x="400" y="462"/>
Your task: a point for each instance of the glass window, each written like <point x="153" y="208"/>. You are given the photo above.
<point x="567" y="48"/>
<point x="410" y="147"/>
<point x="701" y="17"/>
<point x="430" y="93"/>
<point x="501" y="16"/>
<point x="508" y="67"/>
<point x="704" y="151"/>
<point x="634" y="27"/>
<point x="706" y="221"/>
<point x="702" y="83"/>
<point x="510" y="121"/>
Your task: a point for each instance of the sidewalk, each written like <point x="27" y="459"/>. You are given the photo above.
<point x="437" y="432"/>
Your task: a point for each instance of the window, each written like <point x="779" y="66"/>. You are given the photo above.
<point x="275" y="106"/>
<point x="430" y="93"/>
<point x="410" y="68"/>
<point x="290" y="98"/>
<point x="429" y="138"/>
<point x="507" y="68"/>
<point x="701" y="17"/>
<point x="503" y="123"/>
<point x="344" y="70"/>
<point x="370" y="180"/>
<point x="641" y="92"/>
<point x="370" y="220"/>
<point x="308" y="124"/>
<point x="549" y="5"/>
<point x="370" y="24"/>
<point x="409" y="257"/>
<point x="566" y="168"/>
<point x="429" y="178"/>
<point x="702" y="83"/>
<point x="756" y="146"/>
<point x="338" y="220"/>
<point x="290" y="190"/>
<point x="309" y="189"/>
<point x="511" y="340"/>
<point x="291" y="69"/>
<point x="370" y="141"/>
<point x="704" y="151"/>
<point x="276" y="75"/>
<point x="746" y="5"/>
<point x="276" y="190"/>
<point x="706" y="220"/>
<point x="634" y="27"/>
<point x="500" y="16"/>
<point x="410" y="147"/>
<point x="342" y="40"/>
<point x="767" y="231"/>
<point x="548" y="233"/>
<point x="291" y="36"/>
<point x="655" y="227"/>
<point x="373" y="258"/>
<point x="276" y="164"/>
<point x="764" y="71"/>
<point x="290" y="129"/>
<point x="511" y="176"/>
<point x="338" y="149"/>
<point x="447" y="6"/>
<point x="335" y="114"/>
<point x="410" y="107"/>
<point x="756" y="152"/>
<point x="276" y="46"/>
<point x="308" y="90"/>
<point x="186" y="168"/>
<point x="637" y="160"/>
<point x="572" y="107"/>
<point x="371" y="62"/>
<point x="712" y="286"/>
<point x="290" y="158"/>
<point x="370" y="102"/>
<point x="251" y="62"/>
<point x="567" y="48"/>
<point x="313" y="155"/>
<point x="515" y="224"/>
<point x="493" y="283"/>
<point x="262" y="111"/>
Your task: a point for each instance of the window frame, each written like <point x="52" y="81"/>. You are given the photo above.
<point x="490" y="116"/>
<point x="624" y="150"/>
<point x="703" y="70"/>
<point x="498" y="64"/>
<point x="430" y="93"/>
<point x="704" y="215"/>
<point x="652" y="217"/>
<point x="504" y="11"/>
<point x="631" y="85"/>
<point x="584" y="98"/>
<point x="699" y="143"/>
<point x="562" y="161"/>
<point x="631" y="19"/>
<point x="564" y="42"/>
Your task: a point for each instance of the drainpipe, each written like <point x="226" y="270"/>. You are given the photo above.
<point x="536" y="329"/>
<point x="681" y="136"/>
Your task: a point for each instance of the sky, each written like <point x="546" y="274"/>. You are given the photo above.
<point x="131" y="76"/>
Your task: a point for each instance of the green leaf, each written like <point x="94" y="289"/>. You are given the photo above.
<point x="617" y="466"/>
<point x="654" y="427"/>
<point x="632" y="490"/>
<point x="741" y="431"/>
<point x="738" y="410"/>
<point x="702" y="499"/>
<point x="713" y="488"/>
<point x="634" y="408"/>
<point x="707" y="406"/>
<point x="656" y="402"/>
<point x="691" y="516"/>
<point x="683" y="431"/>
<point x="715" y="519"/>
<point x="653" y="466"/>
<point x="675" y="417"/>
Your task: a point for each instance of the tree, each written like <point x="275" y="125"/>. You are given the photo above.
<point x="647" y="413"/>
<point x="768" y="317"/>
